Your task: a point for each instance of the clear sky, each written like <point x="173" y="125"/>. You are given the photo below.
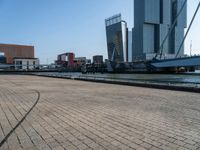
<point x="58" y="26"/>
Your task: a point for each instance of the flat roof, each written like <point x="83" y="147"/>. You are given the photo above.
<point x="1" y="44"/>
<point x="113" y="20"/>
<point x="24" y="58"/>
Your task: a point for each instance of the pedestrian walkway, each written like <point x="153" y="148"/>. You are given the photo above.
<point x="83" y="115"/>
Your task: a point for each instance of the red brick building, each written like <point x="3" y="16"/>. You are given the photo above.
<point x="66" y="59"/>
<point x="16" y="51"/>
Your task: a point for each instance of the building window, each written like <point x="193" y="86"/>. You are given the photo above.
<point x="161" y="11"/>
<point x="18" y="64"/>
<point x="174" y="10"/>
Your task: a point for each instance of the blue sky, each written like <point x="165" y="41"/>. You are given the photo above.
<point x="57" y="26"/>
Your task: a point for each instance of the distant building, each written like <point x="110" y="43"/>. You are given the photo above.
<point x="98" y="59"/>
<point x="152" y="21"/>
<point x="66" y="60"/>
<point x="80" y="60"/>
<point x="88" y="61"/>
<point x="117" y="42"/>
<point x="16" y="51"/>
<point x="26" y="63"/>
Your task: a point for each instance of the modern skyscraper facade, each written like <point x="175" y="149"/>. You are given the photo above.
<point x="130" y="48"/>
<point x="152" y="21"/>
<point x="117" y="39"/>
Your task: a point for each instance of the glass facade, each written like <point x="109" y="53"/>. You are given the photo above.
<point x="116" y="31"/>
<point x="153" y="19"/>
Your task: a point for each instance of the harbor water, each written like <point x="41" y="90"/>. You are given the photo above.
<point x="187" y="78"/>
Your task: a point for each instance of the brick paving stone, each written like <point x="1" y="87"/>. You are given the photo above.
<point x="188" y="141"/>
<point x="172" y="145"/>
<point x="141" y="148"/>
<point x="83" y="115"/>
<point x="146" y="145"/>
<point x="182" y="148"/>
<point x="191" y="147"/>
<point x="180" y="143"/>
<point x="155" y="148"/>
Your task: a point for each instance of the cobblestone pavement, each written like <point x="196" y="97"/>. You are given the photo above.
<point x="83" y="115"/>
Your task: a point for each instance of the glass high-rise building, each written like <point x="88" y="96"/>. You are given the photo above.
<point x="152" y="21"/>
<point x="117" y="39"/>
<point x="130" y="46"/>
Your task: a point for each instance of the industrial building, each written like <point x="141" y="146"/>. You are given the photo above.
<point x="80" y="61"/>
<point x="69" y="62"/>
<point x="117" y="39"/>
<point x="88" y="61"/>
<point x="11" y="51"/>
<point x="152" y="21"/>
<point x="66" y="60"/>
<point x="98" y="59"/>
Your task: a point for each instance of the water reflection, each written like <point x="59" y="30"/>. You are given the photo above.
<point x="182" y="78"/>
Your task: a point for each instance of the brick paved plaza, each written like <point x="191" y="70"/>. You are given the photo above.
<point x="83" y="115"/>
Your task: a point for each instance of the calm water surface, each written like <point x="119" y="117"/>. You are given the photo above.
<point x="185" y="78"/>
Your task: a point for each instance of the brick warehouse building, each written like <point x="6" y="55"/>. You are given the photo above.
<point x="16" y="51"/>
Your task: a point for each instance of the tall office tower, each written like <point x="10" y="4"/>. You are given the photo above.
<point x="152" y="21"/>
<point x="117" y="39"/>
<point x="130" y="48"/>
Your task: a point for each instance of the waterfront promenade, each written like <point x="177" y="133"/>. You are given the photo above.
<point x="84" y="115"/>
